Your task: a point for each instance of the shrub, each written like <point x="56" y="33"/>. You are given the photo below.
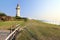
<point x="18" y="17"/>
<point x="3" y="14"/>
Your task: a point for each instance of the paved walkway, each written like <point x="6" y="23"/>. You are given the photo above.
<point x="4" y="34"/>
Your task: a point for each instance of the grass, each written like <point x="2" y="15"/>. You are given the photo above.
<point x="40" y="31"/>
<point x="8" y="24"/>
<point x="35" y="30"/>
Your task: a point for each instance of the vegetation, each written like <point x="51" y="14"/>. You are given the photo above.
<point x="20" y="18"/>
<point x="4" y="17"/>
<point x="7" y="24"/>
<point x="3" y="14"/>
<point x="35" y="30"/>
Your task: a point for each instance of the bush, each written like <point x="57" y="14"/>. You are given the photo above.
<point x="18" y="17"/>
<point x="25" y="19"/>
<point x="3" y="14"/>
<point x="21" y="18"/>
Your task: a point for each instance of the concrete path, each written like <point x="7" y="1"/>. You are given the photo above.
<point x="4" y="34"/>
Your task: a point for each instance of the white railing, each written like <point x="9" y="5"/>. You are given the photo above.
<point x="13" y="33"/>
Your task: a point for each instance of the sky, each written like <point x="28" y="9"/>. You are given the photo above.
<point x="47" y="10"/>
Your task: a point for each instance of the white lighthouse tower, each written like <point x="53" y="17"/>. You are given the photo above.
<point x="18" y="10"/>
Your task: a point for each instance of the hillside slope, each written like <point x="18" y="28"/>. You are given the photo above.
<point x="37" y="30"/>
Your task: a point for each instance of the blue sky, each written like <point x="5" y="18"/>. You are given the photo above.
<point x="37" y="9"/>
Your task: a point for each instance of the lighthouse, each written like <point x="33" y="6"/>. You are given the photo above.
<point x="18" y="10"/>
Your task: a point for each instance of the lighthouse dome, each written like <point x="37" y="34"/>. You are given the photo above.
<point x="18" y="6"/>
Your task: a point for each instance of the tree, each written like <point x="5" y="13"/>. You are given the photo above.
<point x="3" y="14"/>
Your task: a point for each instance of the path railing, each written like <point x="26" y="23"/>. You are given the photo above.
<point x="13" y="34"/>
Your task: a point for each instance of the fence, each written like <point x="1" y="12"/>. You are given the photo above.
<point x="13" y="34"/>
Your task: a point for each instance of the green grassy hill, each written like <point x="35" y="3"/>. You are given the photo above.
<point x="35" y="30"/>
